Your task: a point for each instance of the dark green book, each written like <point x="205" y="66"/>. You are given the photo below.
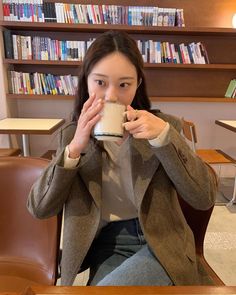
<point x="8" y="44"/>
<point x="230" y="90"/>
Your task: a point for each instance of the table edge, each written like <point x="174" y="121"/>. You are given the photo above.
<point x="218" y="122"/>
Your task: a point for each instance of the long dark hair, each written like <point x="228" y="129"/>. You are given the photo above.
<point x="104" y="45"/>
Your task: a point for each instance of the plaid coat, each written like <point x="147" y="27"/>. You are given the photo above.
<point x="158" y="175"/>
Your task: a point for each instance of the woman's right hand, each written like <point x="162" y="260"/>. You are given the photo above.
<point x="89" y="116"/>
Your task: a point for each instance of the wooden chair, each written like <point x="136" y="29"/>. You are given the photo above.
<point x="210" y="156"/>
<point x="28" y="246"/>
<point x="198" y="221"/>
<point x="8" y="152"/>
<point x="49" y="154"/>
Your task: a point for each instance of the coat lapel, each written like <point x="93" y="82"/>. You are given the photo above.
<point x="144" y="163"/>
<point x="90" y="170"/>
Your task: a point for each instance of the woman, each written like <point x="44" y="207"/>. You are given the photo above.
<point x="121" y="212"/>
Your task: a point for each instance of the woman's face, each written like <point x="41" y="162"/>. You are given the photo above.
<point x="113" y="78"/>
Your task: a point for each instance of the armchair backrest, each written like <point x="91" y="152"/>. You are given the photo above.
<point x="198" y="221"/>
<point x="28" y="246"/>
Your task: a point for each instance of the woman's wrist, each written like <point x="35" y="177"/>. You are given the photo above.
<point x="74" y="152"/>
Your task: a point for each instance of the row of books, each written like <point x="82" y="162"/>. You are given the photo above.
<point x="40" y="11"/>
<point x="40" y="83"/>
<point x="45" y="48"/>
<point x="166" y="52"/>
<point x="231" y="90"/>
<point x="23" y="10"/>
<point x="117" y="14"/>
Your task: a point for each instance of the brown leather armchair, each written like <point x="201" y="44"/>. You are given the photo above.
<point x="9" y="152"/>
<point x="198" y="221"/>
<point x="28" y="246"/>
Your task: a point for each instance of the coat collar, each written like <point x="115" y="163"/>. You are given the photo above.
<point x="143" y="164"/>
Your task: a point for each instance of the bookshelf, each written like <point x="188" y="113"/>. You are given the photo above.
<point x="206" y="21"/>
<point x="153" y="98"/>
<point x="221" y="67"/>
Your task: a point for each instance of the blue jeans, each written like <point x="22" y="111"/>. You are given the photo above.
<point x="120" y="256"/>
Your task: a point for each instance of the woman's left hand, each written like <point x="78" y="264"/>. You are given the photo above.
<point x="142" y="124"/>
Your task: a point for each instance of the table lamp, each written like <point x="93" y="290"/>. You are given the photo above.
<point x="234" y="21"/>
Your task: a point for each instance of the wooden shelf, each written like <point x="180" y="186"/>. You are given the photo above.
<point x="191" y="66"/>
<point x="146" y="65"/>
<point x="40" y="96"/>
<point x="153" y="98"/>
<point x="130" y="29"/>
<point x="192" y="99"/>
<point x="42" y="62"/>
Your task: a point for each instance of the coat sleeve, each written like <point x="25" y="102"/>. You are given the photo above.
<point x="51" y="190"/>
<point x="194" y="180"/>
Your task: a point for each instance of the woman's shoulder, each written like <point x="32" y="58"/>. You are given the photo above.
<point x="171" y="119"/>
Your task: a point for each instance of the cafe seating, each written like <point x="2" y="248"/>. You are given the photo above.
<point x="210" y="156"/>
<point x="49" y="154"/>
<point x="8" y="152"/>
<point x="198" y="221"/>
<point x="28" y="246"/>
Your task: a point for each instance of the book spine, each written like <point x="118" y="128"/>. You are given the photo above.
<point x="8" y="43"/>
<point x="231" y="88"/>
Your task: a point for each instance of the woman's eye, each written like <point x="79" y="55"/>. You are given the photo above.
<point x="124" y="84"/>
<point x="100" y="82"/>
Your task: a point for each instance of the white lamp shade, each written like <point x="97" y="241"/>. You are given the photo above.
<point x="234" y="21"/>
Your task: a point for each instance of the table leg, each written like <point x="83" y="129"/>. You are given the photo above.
<point x="232" y="201"/>
<point x="25" y="141"/>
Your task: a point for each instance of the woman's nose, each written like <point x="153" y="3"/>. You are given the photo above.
<point x="111" y="98"/>
<point x="111" y="95"/>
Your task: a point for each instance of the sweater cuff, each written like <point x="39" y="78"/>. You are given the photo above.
<point x="162" y="139"/>
<point x="68" y="162"/>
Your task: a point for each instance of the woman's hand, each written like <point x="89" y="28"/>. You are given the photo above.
<point x="89" y="116"/>
<point x="142" y="124"/>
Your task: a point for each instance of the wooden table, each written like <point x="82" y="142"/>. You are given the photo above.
<point x="26" y="126"/>
<point x="230" y="125"/>
<point x="138" y="290"/>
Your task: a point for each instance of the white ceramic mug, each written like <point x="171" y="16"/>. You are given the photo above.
<point x="109" y="127"/>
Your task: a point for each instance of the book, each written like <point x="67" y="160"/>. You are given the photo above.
<point x="8" y="44"/>
<point x="9" y="80"/>
<point x="231" y="88"/>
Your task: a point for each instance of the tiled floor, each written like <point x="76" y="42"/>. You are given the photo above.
<point x="220" y="243"/>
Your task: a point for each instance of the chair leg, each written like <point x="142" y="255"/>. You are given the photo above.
<point x="218" y="174"/>
<point x="231" y="202"/>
